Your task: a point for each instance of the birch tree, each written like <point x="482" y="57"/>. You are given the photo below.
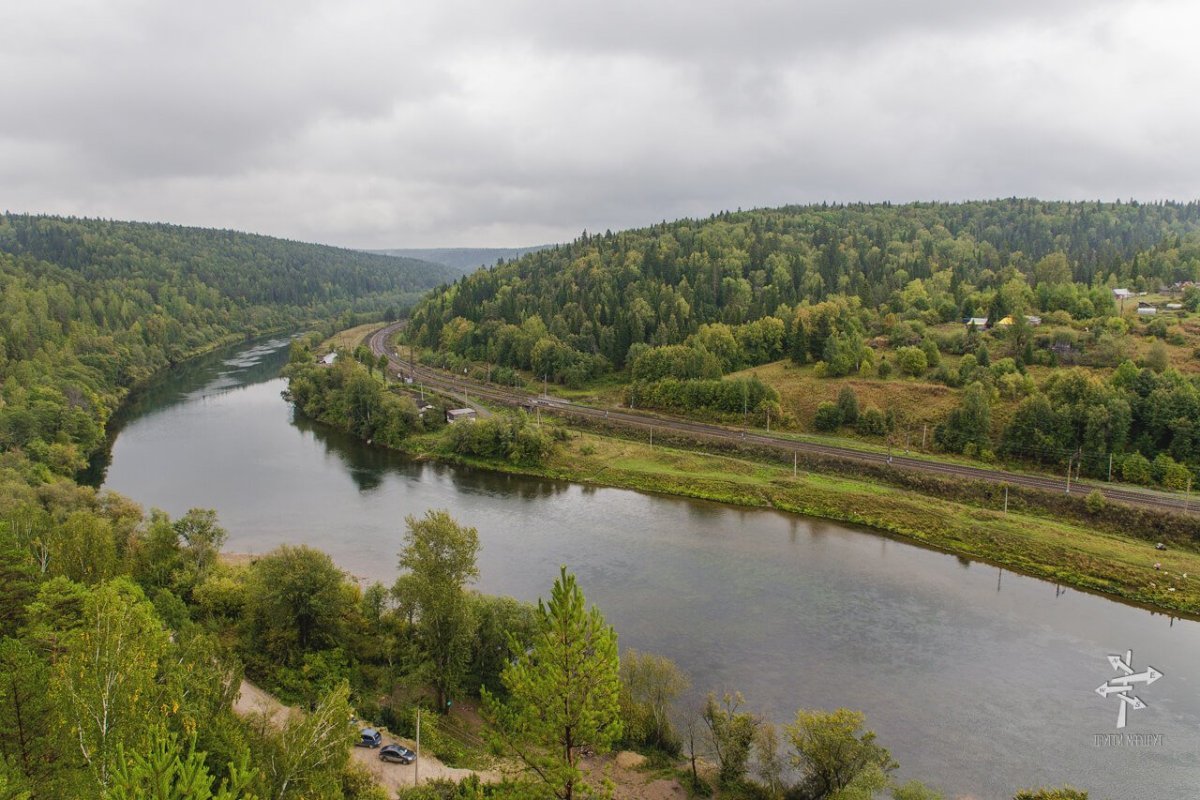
<point x="105" y="684"/>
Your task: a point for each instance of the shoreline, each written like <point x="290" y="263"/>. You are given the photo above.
<point x="1038" y="545"/>
<point x="1021" y="542"/>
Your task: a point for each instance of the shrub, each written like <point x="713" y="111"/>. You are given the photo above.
<point x="871" y="422"/>
<point x="508" y="437"/>
<point x="885" y="370"/>
<point x="1136" y="469"/>
<point x="1170" y="473"/>
<point x="847" y="402"/>
<point x="933" y="356"/>
<point x="1095" y="502"/>
<point x="728" y="395"/>
<point x="912" y="361"/>
<point x="1157" y="358"/>
<point x="828" y="418"/>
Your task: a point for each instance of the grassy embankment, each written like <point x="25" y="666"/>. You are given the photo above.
<point x="1059" y="551"/>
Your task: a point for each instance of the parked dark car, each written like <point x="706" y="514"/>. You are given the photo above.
<point x="369" y="737"/>
<point x="398" y="754"/>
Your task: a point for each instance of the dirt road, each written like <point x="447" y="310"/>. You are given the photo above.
<point x="253" y="700"/>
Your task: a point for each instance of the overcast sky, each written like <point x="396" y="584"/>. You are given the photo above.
<point x="409" y="124"/>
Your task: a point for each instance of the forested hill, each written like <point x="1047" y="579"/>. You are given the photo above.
<point x="90" y="307"/>
<point x="593" y="299"/>
<point x="242" y="267"/>
<point x="464" y="259"/>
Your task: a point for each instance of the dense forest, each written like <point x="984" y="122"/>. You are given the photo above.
<point x="952" y="294"/>
<point x="463" y="259"/>
<point x="88" y="308"/>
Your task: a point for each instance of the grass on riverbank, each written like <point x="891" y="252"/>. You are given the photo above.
<point x="1052" y="549"/>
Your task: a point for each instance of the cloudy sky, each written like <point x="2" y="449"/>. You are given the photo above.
<point x="394" y="123"/>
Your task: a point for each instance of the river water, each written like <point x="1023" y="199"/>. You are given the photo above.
<point x="979" y="681"/>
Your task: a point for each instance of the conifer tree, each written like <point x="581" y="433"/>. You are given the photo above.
<point x="563" y="694"/>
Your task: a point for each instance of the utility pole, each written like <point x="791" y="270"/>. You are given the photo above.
<point x="1005" y="499"/>
<point x="1110" y="458"/>
<point x="924" y="430"/>
<point x="417" y="761"/>
<point x="795" y="458"/>
<point x="652" y="436"/>
<point x="768" y="420"/>
<point x="545" y="389"/>
<point x="1187" y="497"/>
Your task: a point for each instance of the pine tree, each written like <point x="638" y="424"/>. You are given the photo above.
<point x="563" y="693"/>
<point x="26" y="742"/>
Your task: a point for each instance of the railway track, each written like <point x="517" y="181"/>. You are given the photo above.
<point x="448" y="383"/>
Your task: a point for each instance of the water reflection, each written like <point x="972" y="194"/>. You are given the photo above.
<point x="212" y="374"/>
<point x="366" y="466"/>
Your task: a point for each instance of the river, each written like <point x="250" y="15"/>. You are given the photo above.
<point x="979" y="681"/>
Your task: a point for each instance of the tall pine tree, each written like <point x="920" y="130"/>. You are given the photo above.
<point x="563" y="694"/>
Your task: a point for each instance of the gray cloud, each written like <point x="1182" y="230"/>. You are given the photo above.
<point x="380" y="124"/>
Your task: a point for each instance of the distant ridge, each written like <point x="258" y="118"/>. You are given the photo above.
<point x="463" y="259"/>
<point x="245" y="269"/>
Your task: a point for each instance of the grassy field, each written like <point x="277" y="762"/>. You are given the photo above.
<point x="348" y="339"/>
<point x="917" y="402"/>
<point x="1062" y="552"/>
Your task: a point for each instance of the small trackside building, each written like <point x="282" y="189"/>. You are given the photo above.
<point x="459" y="414"/>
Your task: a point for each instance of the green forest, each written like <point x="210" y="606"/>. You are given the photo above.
<point x="993" y="327"/>
<point x="90" y="308"/>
